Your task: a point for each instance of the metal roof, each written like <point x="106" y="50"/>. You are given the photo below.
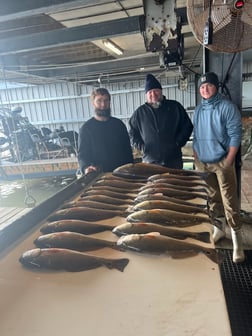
<point x="50" y="40"/>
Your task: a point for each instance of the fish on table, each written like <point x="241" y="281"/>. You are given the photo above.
<point x="94" y="204"/>
<point x="145" y="170"/>
<point x="138" y="170"/>
<point x="110" y="176"/>
<point x="184" y="188"/>
<point x="173" y="192"/>
<point x="101" y="188"/>
<point x="119" y="184"/>
<point x="200" y="177"/>
<point x="140" y="228"/>
<point x="167" y="217"/>
<point x="179" y="181"/>
<point x="73" y="241"/>
<point x="85" y="213"/>
<point x="154" y="243"/>
<point x="75" y="225"/>
<point x="169" y="205"/>
<point x="107" y="199"/>
<point x="161" y="197"/>
<point x="68" y="260"/>
<point x="109" y="193"/>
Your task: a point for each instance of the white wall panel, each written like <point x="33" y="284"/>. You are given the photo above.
<point x="69" y="105"/>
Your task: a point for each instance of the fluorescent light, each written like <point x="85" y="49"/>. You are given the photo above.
<point x="113" y="47"/>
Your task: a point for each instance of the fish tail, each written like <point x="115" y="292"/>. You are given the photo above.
<point x="119" y="264"/>
<point x="204" y="197"/>
<point x="202" y="236"/>
<point x="204" y="190"/>
<point x="117" y="247"/>
<point x="214" y="255"/>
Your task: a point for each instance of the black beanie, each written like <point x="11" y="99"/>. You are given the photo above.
<point x="209" y="77"/>
<point x="152" y="83"/>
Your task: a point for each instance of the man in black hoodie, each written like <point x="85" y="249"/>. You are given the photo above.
<point x="104" y="142"/>
<point x="160" y="127"/>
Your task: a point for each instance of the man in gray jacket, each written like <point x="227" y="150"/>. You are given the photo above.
<point x="217" y="138"/>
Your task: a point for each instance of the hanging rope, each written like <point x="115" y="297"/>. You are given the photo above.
<point x="29" y="200"/>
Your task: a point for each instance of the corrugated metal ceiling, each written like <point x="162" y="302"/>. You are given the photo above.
<point x="48" y="40"/>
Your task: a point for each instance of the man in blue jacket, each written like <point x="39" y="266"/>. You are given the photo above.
<point x="217" y="138"/>
<point x="160" y="127"/>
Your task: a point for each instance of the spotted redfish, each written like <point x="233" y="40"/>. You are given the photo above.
<point x="159" y="244"/>
<point x="73" y="241"/>
<point x="130" y="228"/>
<point x="184" y="188"/>
<point x="169" y="205"/>
<point x="93" y="204"/>
<point x="173" y="192"/>
<point x="68" y="260"/>
<point x="145" y="170"/>
<point x="167" y="217"/>
<point x="84" y="213"/>
<point x="75" y="225"/>
<point x="107" y="199"/>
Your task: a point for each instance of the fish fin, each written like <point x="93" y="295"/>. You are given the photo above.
<point x="214" y="255"/>
<point x="202" y="236"/>
<point x="118" y="247"/>
<point x="119" y="264"/>
<point x="153" y="234"/>
<point x="182" y="254"/>
<point x="204" y="190"/>
<point x="129" y="209"/>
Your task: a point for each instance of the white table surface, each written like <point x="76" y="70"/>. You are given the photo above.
<point x="154" y="296"/>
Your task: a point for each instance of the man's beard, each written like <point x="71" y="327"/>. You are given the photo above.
<point x="103" y="113"/>
<point x="155" y="105"/>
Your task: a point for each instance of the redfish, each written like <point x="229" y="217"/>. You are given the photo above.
<point x="94" y="205"/>
<point x="163" y="204"/>
<point x="109" y="193"/>
<point x="75" y="225"/>
<point x="101" y="188"/>
<point x="159" y="196"/>
<point x="167" y="217"/>
<point x="73" y="241"/>
<point x="178" y="181"/>
<point x="184" y="188"/>
<point x="157" y="244"/>
<point x="139" y="170"/>
<point x="118" y="184"/>
<point x="107" y="199"/>
<point x="130" y="228"/>
<point x="68" y="260"/>
<point x="84" y="213"/>
<point x="173" y="192"/>
<point x="145" y="170"/>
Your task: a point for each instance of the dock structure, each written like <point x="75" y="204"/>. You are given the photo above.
<point x="38" y="168"/>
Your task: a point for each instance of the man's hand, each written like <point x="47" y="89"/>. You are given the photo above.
<point x="90" y="169"/>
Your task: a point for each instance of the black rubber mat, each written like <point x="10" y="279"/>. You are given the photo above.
<point x="237" y="286"/>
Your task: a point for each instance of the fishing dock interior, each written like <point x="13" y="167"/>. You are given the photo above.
<point x="53" y="54"/>
<point x="155" y="291"/>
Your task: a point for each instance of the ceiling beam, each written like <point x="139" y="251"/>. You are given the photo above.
<point x="105" y="67"/>
<point x="15" y="9"/>
<point x="65" y="36"/>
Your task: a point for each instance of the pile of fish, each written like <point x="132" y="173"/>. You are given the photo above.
<point x="157" y="204"/>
